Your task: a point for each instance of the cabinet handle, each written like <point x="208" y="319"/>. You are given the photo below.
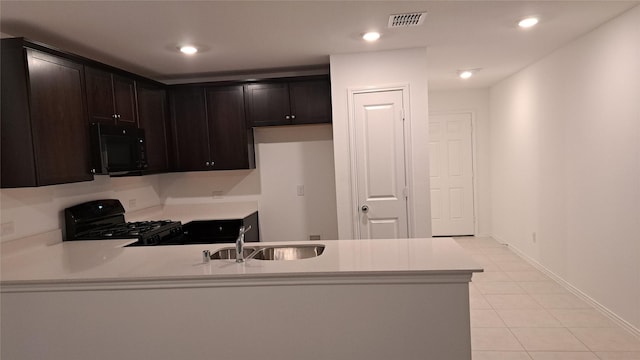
<point x="293" y="116"/>
<point x="207" y="163"/>
<point x="114" y="116"/>
<point x="287" y="117"/>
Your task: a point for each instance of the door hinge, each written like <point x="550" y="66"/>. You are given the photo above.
<point x="405" y="192"/>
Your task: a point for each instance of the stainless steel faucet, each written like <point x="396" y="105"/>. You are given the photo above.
<point x="240" y="243"/>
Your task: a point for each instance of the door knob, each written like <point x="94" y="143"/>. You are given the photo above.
<point x="365" y="208"/>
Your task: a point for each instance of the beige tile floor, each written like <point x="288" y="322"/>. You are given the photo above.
<point x="518" y="313"/>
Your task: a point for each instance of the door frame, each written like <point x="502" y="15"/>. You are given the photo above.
<point x="474" y="160"/>
<point x="408" y="170"/>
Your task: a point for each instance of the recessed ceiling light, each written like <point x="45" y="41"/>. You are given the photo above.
<point x="465" y="74"/>
<point x="528" y="22"/>
<point x="371" y="36"/>
<point x="188" y="49"/>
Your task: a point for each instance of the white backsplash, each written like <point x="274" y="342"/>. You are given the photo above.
<point x="30" y="211"/>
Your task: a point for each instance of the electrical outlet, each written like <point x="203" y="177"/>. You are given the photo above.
<point x="133" y="203"/>
<point x="533" y="237"/>
<point x="300" y="190"/>
<point x="7" y="228"/>
<point x="314" y="237"/>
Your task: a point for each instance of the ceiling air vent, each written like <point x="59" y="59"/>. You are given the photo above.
<point x="404" y="20"/>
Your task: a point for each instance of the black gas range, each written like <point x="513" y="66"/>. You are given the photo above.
<point x="104" y="219"/>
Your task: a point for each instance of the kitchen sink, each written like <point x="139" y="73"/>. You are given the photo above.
<point x="230" y="253"/>
<point x="288" y="252"/>
<point x="284" y="252"/>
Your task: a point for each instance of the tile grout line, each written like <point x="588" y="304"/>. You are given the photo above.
<point x="587" y="346"/>
<point x="509" y="328"/>
<point x="572" y="289"/>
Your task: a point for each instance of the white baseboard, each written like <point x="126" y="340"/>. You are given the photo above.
<point x="483" y="235"/>
<point x="498" y="240"/>
<point x="574" y="290"/>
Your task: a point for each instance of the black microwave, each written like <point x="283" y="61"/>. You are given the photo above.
<point x="117" y="150"/>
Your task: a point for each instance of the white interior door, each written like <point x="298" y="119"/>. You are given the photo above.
<point x="451" y="169"/>
<point x="380" y="165"/>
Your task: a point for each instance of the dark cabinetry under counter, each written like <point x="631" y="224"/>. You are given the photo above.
<point x="45" y="133"/>
<point x="220" y="231"/>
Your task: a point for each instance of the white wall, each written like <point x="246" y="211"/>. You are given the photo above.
<point x="30" y="211"/>
<point x="374" y="70"/>
<point x="287" y="157"/>
<point x="565" y="138"/>
<point x="290" y="157"/>
<point x="476" y="102"/>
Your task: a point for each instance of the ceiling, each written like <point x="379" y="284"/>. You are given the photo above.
<point x="249" y="37"/>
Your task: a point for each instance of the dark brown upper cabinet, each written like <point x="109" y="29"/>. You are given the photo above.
<point x="230" y="140"/>
<point x="310" y="101"/>
<point x="189" y="129"/>
<point x="45" y="134"/>
<point x="305" y="100"/>
<point x="153" y="117"/>
<point x="111" y="98"/>
<point x="209" y="129"/>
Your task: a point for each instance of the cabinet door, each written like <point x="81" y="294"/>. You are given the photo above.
<point x="267" y="104"/>
<point x="124" y="92"/>
<point x="190" y="130"/>
<point x="152" y="115"/>
<point x="100" y="96"/>
<point x="58" y="118"/>
<point x="227" y="128"/>
<point x="310" y="101"/>
<point x="17" y="158"/>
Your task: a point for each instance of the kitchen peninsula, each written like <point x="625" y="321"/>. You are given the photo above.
<point x="360" y="299"/>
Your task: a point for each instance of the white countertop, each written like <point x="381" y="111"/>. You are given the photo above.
<point x="108" y="261"/>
